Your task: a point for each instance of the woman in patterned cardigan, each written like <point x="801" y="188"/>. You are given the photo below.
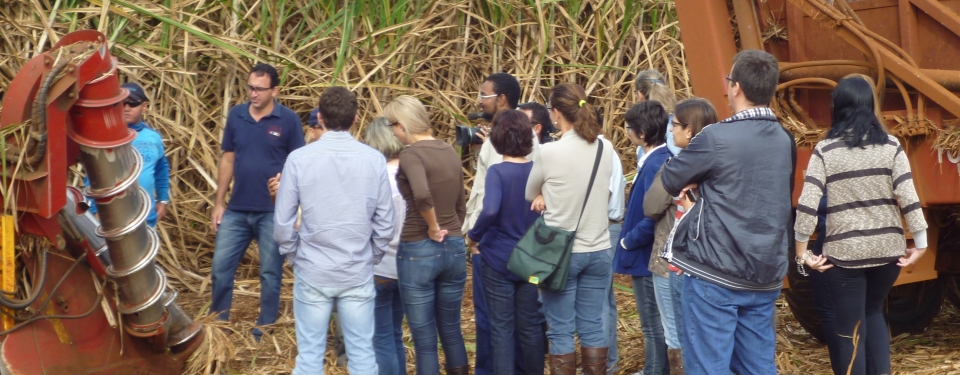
<point x="866" y="177"/>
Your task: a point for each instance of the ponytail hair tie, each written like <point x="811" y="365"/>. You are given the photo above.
<point x="582" y="102"/>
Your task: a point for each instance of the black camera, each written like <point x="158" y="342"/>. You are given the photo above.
<point x="467" y="135"/>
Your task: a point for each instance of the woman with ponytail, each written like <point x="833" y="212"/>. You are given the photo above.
<point x="557" y="186"/>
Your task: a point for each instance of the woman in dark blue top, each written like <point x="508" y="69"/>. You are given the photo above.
<point x="505" y="217"/>
<point x="646" y="127"/>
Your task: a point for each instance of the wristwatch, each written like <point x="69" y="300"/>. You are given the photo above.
<point x="164" y="202"/>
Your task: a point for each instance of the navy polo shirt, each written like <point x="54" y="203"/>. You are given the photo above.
<point x="260" y="149"/>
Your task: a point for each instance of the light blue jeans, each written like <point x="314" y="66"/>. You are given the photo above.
<point x="661" y="287"/>
<point x="312" y="306"/>
<point x="578" y="308"/>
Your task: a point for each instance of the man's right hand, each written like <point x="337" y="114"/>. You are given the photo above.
<point x="217" y="216"/>
<point x="273" y="184"/>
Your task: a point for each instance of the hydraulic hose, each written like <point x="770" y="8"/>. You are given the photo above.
<point x="36" y="146"/>
<point x="14" y="304"/>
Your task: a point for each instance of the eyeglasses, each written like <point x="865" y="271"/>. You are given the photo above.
<point x="729" y="80"/>
<point x="680" y="124"/>
<point x="132" y="103"/>
<point x="395" y="123"/>
<point x="549" y="108"/>
<point x="259" y="90"/>
<point x="480" y="96"/>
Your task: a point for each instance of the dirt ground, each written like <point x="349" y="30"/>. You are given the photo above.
<point x="937" y="351"/>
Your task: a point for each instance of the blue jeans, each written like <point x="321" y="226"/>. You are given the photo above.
<point x="513" y="310"/>
<point x="578" y="307"/>
<point x="727" y="330"/>
<point x="388" y="333"/>
<point x="432" y="277"/>
<point x="655" y="348"/>
<point x="237" y="229"/>
<point x="312" y="307"/>
<point x="661" y="286"/>
<point x="676" y="293"/>
<point x="610" y="309"/>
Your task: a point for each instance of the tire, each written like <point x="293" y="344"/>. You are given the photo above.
<point x="952" y="288"/>
<point x="800" y="300"/>
<point x="910" y="308"/>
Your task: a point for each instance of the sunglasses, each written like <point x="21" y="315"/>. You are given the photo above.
<point x="132" y="103"/>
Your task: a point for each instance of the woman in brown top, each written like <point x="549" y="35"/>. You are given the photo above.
<point x="431" y="260"/>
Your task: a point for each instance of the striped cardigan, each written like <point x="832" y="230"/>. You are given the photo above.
<point x="864" y="187"/>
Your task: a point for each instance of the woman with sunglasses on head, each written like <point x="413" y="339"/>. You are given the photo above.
<point x="432" y="259"/>
<point x="540" y="119"/>
<point x="650" y="85"/>
<point x="865" y="247"/>
<point x="558" y="174"/>
<point x="692" y="115"/>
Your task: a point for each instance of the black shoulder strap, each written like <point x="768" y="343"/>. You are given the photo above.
<point x="593" y="176"/>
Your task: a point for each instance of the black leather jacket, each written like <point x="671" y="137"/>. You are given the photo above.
<point x="738" y="233"/>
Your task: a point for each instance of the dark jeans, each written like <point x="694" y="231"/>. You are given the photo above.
<point x="432" y="276"/>
<point x="727" y="330"/>
<point x="388" y="331"/>
<point x="655" y="345"/>
<point x="483" y="362"/>
<point x="237" y="229"/>
<point x="858" y="295"/>
<point x="513" y="311"/>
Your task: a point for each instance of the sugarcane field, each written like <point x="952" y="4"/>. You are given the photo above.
<point x="397" y="187"/>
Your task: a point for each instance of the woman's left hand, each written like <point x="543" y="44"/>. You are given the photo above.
<point x="913" y="254"/>
<point x="474" y="249"/>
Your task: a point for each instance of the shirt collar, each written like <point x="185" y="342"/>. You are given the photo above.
<point x="245" y="113"/>
<point x="647" y="154"/>
<point x="751" y="113"/>
<point x="336" y="136"/>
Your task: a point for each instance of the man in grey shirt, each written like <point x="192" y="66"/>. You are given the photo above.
<point x="342" y="188"/>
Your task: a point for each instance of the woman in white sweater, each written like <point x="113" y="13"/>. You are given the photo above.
<point x="557" y="186"/>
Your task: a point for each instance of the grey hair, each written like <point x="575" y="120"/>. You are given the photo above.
<point x="379" y="136"/>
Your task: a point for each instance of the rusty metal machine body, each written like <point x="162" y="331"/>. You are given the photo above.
<point x="103" y="306"/>
<point x="909" y="48"/>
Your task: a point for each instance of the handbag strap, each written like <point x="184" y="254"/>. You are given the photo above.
<point x="593" y="176"/>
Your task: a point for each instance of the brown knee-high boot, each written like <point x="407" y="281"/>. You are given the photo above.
<point x="676" y="361"/>
<point x="563" y="364"/>
<point x="594" y="361"/>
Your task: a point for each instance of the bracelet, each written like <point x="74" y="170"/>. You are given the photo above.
<point x="802" y="261"/>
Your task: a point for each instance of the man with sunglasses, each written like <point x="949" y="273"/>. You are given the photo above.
<point x="155" y="175"/>
<point x="257" y="138"/>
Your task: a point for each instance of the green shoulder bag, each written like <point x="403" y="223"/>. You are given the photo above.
<point x="542" y="256"/>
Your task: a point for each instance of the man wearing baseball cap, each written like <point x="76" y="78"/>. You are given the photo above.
<point x="155" y="175"/>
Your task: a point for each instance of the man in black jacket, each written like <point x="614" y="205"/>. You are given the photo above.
<point x="733" y="241"/>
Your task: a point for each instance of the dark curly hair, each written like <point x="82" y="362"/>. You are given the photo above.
<point x="512" y="134"/>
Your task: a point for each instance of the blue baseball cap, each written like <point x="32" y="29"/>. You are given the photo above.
<point x="136" y="92"/>
<point x="312" y="119"/>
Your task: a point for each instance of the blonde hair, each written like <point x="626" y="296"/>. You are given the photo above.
<point x="651" y="84"/>
<point x="379" y="137"/>
<point x="410" y="113"/>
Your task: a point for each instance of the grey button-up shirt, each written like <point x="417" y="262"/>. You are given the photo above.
<point x="343" y="190"/>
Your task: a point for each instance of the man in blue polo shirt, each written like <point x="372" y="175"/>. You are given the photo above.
<point x="256" y="141"/>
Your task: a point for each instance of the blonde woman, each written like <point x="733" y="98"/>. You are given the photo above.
<point x="432" y="259"/>
<point x="650" y="85"/>
<point x="388" y="312"/>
